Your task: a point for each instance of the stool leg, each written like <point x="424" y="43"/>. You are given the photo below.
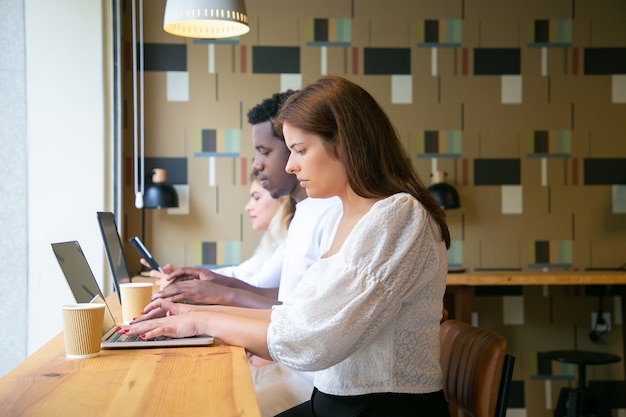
<point x="604" y="411"/>
<point x="560" y="410"/>
<point x="586" y="403"/>
<point x="572" y="404"/>
<point x="597" y="406"/>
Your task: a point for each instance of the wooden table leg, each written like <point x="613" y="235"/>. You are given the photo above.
<point x="622" y="294"/>
<point x="458" y="302"/>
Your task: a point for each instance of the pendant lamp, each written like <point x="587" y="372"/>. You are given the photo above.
<point x="160" y="194"/>
<point x="444" y="193"/>
<point x="206" y="19"/>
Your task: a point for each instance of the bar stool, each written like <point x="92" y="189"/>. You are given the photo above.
<point x="581" y="401"/>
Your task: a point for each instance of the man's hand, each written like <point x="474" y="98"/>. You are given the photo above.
<point x="203" y="291"/>
<point x="190" y="273"/>
<point x="193" y="290"/>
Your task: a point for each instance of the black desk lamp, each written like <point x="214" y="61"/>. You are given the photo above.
<point x="157" y="195"/>
<point x="444" y="193"/>
<point x="160" y="194"/>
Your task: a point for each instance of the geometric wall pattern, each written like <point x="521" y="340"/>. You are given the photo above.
<point x="217" y="142"/>
<point x="218" y="253"/>
<point x="439" y="144"/>
<point x="521" y="104"/>
<point x="550" y="254"/>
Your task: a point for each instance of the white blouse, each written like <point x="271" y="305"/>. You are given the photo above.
<point x="367" y="318"/>
<point x="258" y="270"/>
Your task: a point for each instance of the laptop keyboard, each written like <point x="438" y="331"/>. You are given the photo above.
<point x="119" y="337"/>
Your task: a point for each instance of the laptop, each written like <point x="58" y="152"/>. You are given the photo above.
<point x="86" y="290"/>
<point x="114" y="250"/>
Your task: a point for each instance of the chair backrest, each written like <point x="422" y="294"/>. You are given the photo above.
<point x="476" y="369"/>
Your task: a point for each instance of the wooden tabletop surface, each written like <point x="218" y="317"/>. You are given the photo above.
<point x="538" y="277"/>
<point x="184" y="381"/>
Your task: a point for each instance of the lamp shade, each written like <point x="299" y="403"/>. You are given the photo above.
<point x="445" y="194"/>
<point x="206" y="19"/>
<point x="160" y="194"/>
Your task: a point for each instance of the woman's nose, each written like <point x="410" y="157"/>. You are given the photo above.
<point x="290" y="167"/>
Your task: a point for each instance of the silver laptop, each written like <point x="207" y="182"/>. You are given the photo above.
<point x="86" y="290"/>
<point x="114" y="250"/>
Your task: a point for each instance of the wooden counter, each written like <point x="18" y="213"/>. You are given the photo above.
<point x="191" y="381"/>
<point x="538" y="278"/>
<point x="460" y="284"/>
<point x="460" y="287"/>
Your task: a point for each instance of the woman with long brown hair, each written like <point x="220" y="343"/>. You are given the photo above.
<point x="365" y="317"/>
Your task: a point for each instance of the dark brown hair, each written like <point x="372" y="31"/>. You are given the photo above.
<point x="354" y="125"/>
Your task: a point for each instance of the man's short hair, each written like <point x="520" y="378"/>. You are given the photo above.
<point x="268" y="109"/>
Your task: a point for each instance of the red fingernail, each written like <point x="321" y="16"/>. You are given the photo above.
<point x="117" y="329"/>
<point x="143" y="336"/>
<point x="126" y="330"/>
<point x="169" y="313"/>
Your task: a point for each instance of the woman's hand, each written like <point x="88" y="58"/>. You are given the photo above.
<point x="184" y="325"/>
<point x="162" y="308"/>
<point x="175" y="320"/>
<point x="159" y="276"/>
<point x="165" y="270"/>
<point x="238" y="326"/>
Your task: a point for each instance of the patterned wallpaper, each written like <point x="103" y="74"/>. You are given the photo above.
<point x="521" y="103"/>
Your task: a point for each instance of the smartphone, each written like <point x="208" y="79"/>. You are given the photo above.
<point x="145" y="254"/>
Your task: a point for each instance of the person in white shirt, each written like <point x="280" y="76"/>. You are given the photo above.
<point x="277" y="387"/>
<point x="202" y="286"/>
<point x="268" y="215"/>
<point x="272" y="217"/>
<point x="365" y="317"/>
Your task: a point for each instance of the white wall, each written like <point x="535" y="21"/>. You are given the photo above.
<point x="67" y="148"/>
<point x="13" y="184"/>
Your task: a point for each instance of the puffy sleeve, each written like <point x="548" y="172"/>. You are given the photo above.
<point x="346" y="300"/>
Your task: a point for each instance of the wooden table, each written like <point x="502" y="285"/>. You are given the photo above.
<point x="186" y="382"/>
<point x="538" y="278"/>
<point x="460" y="287"/>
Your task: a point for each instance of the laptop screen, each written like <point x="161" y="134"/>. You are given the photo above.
<point x="114" y="249"/>
<point x="85" y="288"/>
<point x="80" y="277"/>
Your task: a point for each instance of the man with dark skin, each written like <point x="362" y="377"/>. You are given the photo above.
<point x="202" y="286"/>
<point x="277" y="388"/>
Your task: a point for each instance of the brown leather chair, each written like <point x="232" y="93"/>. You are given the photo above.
<point x="444" y="315"/>
<point x="477" y="370"/>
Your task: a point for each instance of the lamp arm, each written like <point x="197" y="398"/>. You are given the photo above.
<point x="141" y="97"/>
<point x="139" y="181"/>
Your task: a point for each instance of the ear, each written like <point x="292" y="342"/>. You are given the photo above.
<point x="332" y="149"/>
